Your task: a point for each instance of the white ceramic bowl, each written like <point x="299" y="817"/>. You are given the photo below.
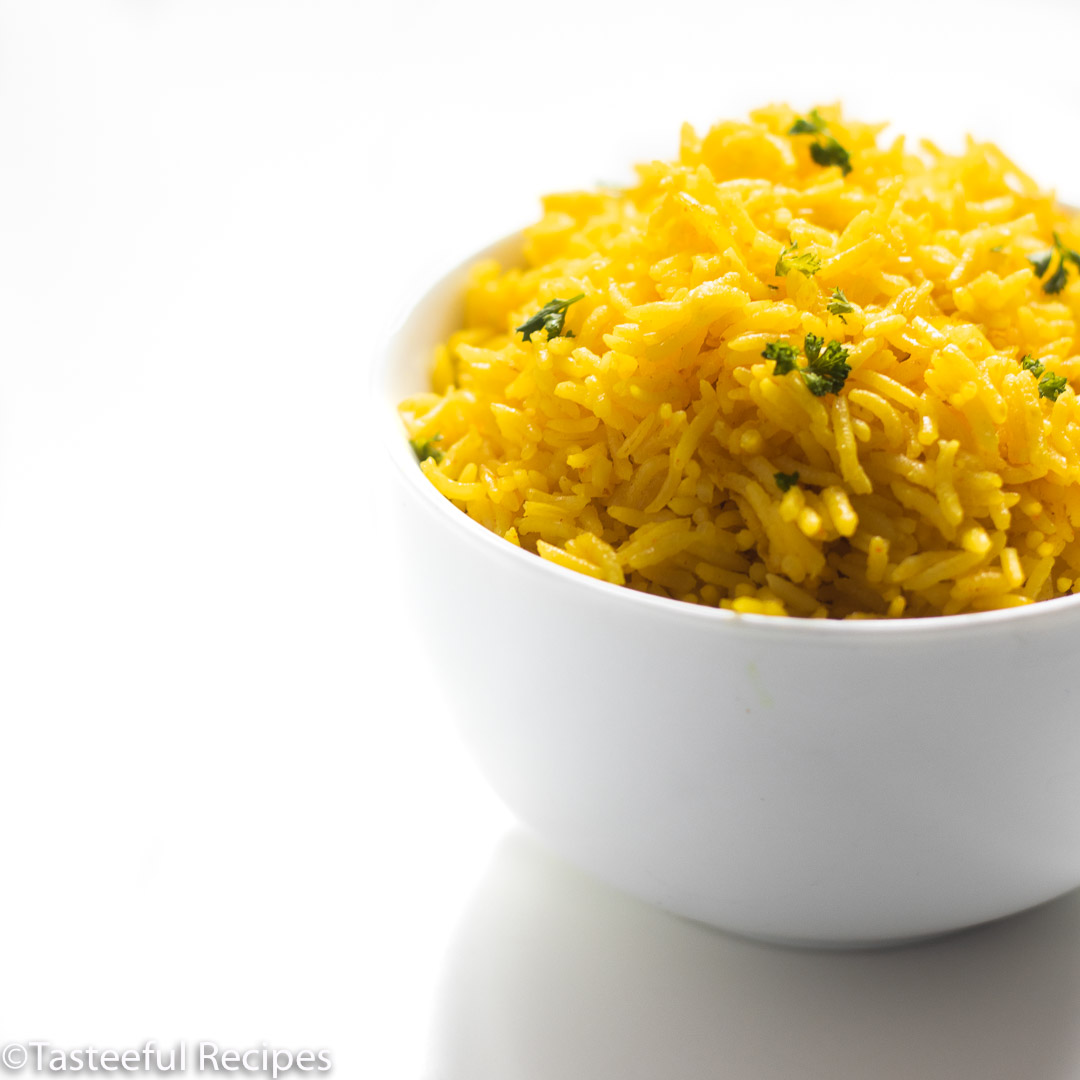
<point x="813" y="782"/>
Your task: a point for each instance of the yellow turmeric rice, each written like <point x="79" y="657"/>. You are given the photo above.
<point x="795" y="371"/>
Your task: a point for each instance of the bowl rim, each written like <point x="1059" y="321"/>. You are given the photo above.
<point x="392" y="435"/>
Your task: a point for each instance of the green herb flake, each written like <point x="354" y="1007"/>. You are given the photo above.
<point x="830" y="152"/>
<point x="1057" y="280"/>
<point x="551" y="317"/>
<point x="814" y="126"/>
<point x="839" y="305"/>
<point x="1031" y="364"/>
<point x="812" y="346"/>
<point x="783" y="354"/>
<point x="1051" y="386"/>
<point x="808" y="264"/>
<point x="827" y="150"/>
<point x="827" y="373"/>
<point x="786" y="481"/>
<point x="1043" y="260"/>
<point x="425" y="448"/>
<point x="826" y="369"/>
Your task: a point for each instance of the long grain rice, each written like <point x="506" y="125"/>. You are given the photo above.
<point x="654" y="448"/>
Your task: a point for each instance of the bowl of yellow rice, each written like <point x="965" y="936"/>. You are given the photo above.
<point x="739" y="509"/>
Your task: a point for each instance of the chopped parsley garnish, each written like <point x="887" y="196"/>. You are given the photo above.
<point x="786" y="481"/>
<point x="1057" y="280"/>
<point x="1044" y="259"/>
<point x="839" y="305"/>
<point x="808" y="264"/>
<point x="830" y="152"/>
<point x="826" y="374"/>
<point x="1051" y="386"/>
<point x="826" y="368"/>
<point x="783" y="354"/>
<point x="825" y="151"/>
<point x="812" y="345"/>
<point x="425" y="448"/>
<point x="550" y="317"/>
<point x="814" y="126"/>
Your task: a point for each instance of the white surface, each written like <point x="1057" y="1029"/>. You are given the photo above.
<point x="232" y="806"/>
<point x="553" y="975"/>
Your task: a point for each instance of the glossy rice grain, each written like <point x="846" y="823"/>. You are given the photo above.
<point x="655" y="447"/>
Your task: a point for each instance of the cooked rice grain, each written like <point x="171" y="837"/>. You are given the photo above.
<point x="644" y="449"/>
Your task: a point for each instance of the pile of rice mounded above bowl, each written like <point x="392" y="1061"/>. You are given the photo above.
<point x="792" y="372"/>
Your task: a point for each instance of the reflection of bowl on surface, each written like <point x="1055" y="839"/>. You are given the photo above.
<point x="805" y="780"/>
<point x="550" y="974"/>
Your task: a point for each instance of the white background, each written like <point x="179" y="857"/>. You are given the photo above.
<point x="232" y="805"/>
